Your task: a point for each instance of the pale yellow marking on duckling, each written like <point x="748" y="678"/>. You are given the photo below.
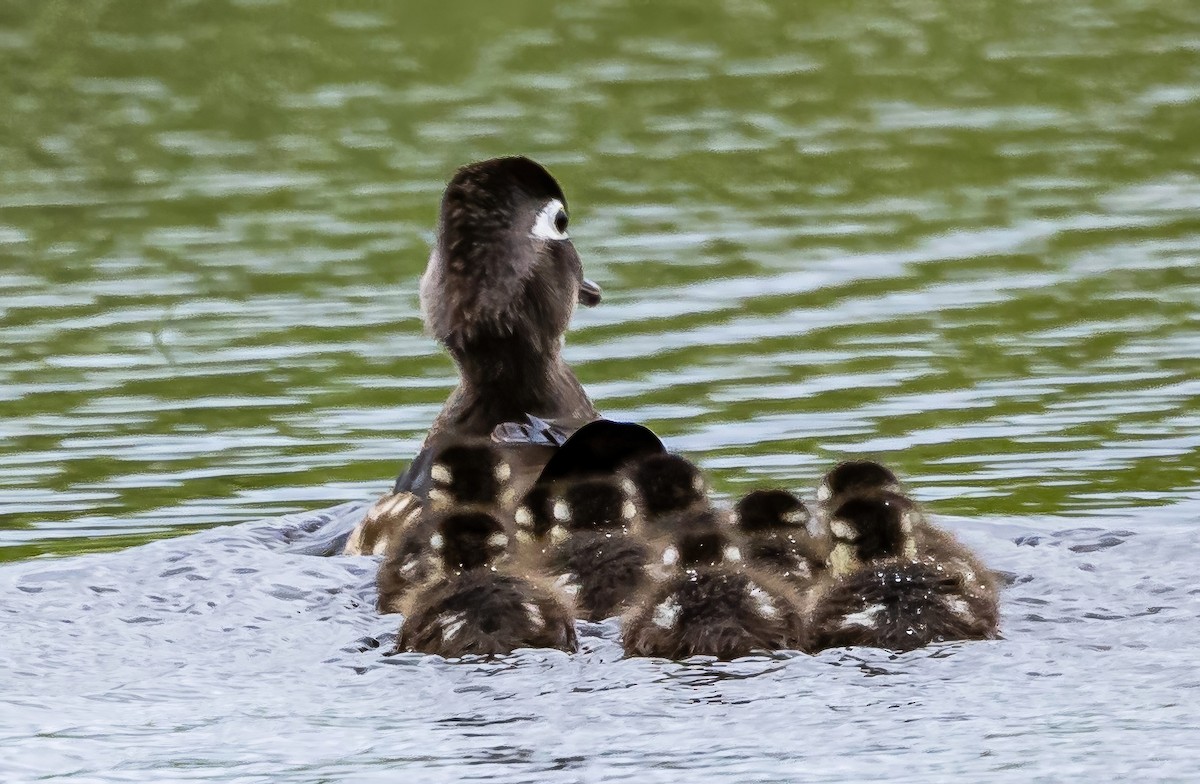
<point x="567" y="583"/>
<point x="503" y="471"/>
<point x="732" y="554"/>
<point x="411" y="565"/>
<point x="497" y="541"/>
<point x="439" y="499"/>
<point x="535" y="615"/>
<point x="868" y="616"/>
<point x="629" y="486"/>
<point x="959" y="607"/>
<point x="508" y="497"/>
<point x="524" y="538"/>
<point x="824" y="493"/>
<point x="558" y="534"/>
<point x="795" y="517"/>
<point x="452" y="624"/>
<point x="842" y="560"/>
<point x="441" y="473"/>
<point x="764" y="602"/>
<point x="436" y="542"/>
<point x="843" y="531"/>
<point x="670" y="556"/>
<point x="562" y="511"/>
<point x="628" y="510"/>
<point x="698" y="484"/>
<point x="666" y="613"/>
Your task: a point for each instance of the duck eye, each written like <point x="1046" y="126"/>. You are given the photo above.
<point x="551" y="222"/>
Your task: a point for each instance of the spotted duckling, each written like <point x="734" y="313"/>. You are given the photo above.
<point x="468" y="473"/>
<point x="594" y="552"/>
<point x="666" y="485"/>
<point x="477" y="604"/>
<point x="775" y="527"/>
<point x="884" y="588"/>
<point x="710" y="602"/>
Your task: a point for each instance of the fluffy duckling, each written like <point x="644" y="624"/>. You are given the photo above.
<point x="597" y="557"/>
<point x="666" y="485"/>
<point x="469" y="473"/>
<point x="855" y="476"/>
<point x="710" y="602"/>
<point x="501" y="285"/>
<point x="884" y="590"/>
<point x="477" y="605"/>
<point x="774" y="525"/>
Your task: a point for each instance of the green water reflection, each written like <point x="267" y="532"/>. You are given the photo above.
<point x="959" y="236"/>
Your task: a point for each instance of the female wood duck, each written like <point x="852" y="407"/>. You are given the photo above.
<point x="477" y="604"/>
<point x="775" y="527"/>
<point x="710" y="602"/>
<point x="501" y="285"/>
<point x="895" y="582"/>
<point x="594" y="552"/>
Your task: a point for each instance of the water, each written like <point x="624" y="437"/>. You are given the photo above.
<point x="958" y="237"/>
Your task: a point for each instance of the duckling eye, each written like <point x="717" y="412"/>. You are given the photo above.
<point x="551" y="222"/>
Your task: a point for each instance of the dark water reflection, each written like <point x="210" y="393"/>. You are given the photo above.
<point x="960" y="237"/>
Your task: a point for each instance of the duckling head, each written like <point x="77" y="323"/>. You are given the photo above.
<point x="667" y="483"/>
<point x="504" y="266"/>
<point x="595" y="504"/>
<point x="767" y="510"/>
<point x="469" y="540"/>
<point x="856" y="476"/>
<point x="468" y="472"/>
<point x="703" y="541"/>
<point x="869" y="527"/>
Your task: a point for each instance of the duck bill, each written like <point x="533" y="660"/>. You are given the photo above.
<point x="589" y="293"/>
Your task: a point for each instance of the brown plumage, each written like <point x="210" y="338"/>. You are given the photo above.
<point x="667" y="485"/>
<point x="774" y="525"/>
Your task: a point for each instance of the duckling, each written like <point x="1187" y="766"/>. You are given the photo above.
<point x="855" y="476"/>
<point x="477" y="605"/>
<point x="470" y="473"/>
<point x="881" y="589"/>
<point x="711" y="602"/>
<point x="774" y="524"/>
<point x="499" y="291"/>
<point x="667" y="485"/>
<point x="599" y="560"/>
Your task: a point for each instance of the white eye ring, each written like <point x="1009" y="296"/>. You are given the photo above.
<point x="436" y="542"/>
<point x="670" y="556"/>
<point x="545" y="224"/>
<point x="562" y="512"/>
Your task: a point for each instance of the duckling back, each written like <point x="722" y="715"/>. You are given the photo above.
<point x="596" y="555"/>
<point x="774" y="525"/>
<point x="478" y="605"/>
<point x="884" y="589"/>
<point x="709" y="602"/>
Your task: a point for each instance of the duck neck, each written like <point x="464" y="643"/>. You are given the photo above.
<point x="503" y="378"/>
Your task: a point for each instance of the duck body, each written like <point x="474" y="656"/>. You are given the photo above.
<point x="602" y="571"/>
<point x="501" y="285"/>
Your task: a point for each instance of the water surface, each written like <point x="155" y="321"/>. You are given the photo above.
<point x="959" y="237"/>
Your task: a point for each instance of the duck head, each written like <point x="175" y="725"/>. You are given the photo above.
<point x="471" y="539"/>
<point x="870" y="527"/>
<point x="596" y="504"/>
<point x="504" y="266"/>
<point x="468" y="472"/>
<point x="767" y="510"/>
<point x="704" y="540"/>
<point x="667" y="483"/>
<point x="853" y="476"/>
